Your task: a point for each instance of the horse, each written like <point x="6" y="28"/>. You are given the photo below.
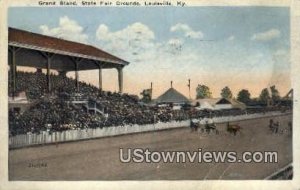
<point x="288" y="129"/>
<point x="276" y="127"/>
<point x="210" y="127"/>
<point x="273" y="126"/>
<point x="194" y="125"/>
<point x="233" y="128"/>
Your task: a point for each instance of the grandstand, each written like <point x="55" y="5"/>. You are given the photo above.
<point x="44" y="52"/>
<point x="43" y="93"/>
<point x="88" y="107"/>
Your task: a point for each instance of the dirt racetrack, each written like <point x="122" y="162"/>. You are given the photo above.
<point x="98" y="159"/>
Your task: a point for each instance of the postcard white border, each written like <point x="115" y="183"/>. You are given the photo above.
<point x="211" y="184"/>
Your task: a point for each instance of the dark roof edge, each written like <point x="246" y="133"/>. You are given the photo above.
<point x="68" y="41"/>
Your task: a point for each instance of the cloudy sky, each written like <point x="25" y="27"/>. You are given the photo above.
<point x="239" y="47"/>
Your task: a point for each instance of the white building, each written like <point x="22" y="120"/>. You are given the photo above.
<point x="218" y="104"/>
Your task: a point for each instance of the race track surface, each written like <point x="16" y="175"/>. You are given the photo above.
<point x="98" y="159"/>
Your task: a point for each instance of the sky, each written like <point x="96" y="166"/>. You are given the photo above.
<point x="238" y="47"/>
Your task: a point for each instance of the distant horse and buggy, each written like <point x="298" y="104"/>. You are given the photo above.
<point x="210" y="127"/>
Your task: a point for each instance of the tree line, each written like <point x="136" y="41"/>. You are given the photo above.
<point x="266" y="95"/>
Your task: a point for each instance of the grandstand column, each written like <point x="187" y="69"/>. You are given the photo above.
<point x="48" y="71"/>
<point x="76" y="75"/>
<point x="100" y="77"/>
<point x="76" y="63"/>
<point x="48" y="57"/>
<point x="120" y="78"/>
<point x="13" y="67"/>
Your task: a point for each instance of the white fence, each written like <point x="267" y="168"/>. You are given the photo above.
<point x="79" y="134"/>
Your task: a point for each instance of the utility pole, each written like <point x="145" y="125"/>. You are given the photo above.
<point x="189" y="85"/>
<point x="151" y="90"/>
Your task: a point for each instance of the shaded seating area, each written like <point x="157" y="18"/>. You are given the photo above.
<point x="44" y="52"/>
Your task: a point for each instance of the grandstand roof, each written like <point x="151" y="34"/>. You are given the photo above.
<point x="172" y="96"/>
<point x="31" y="43"/>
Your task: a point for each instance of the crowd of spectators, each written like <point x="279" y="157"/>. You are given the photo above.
<point x="51" y="112"/>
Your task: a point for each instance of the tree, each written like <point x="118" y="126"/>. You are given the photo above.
<point x="264" y="96"/>
<point x="203" y="91"/>
<point x="244" y="96"/>
<point x="226" y="92"/>
<point x="147" y="95"/>
<point x="274" y="93"/>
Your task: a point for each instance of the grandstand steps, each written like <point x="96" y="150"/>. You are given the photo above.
<point x="90" y="106"/>
<point x="93" y="109"/>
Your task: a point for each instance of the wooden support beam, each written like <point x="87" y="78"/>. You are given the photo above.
<point x="100" y="67"/>
<point x="13" y="68"/>
<point x="120" y="79"/>
<point x="100" y="78"/>
<point x="13" y="72"/>
<point x="48" y="74"/>
<point x="76" y="62"/>
<point x="48" y="57"/>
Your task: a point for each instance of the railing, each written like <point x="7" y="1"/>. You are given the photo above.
<point x="88" y="104"/>
<point x="89" y="133"/>
<point x="94" y="106"/>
